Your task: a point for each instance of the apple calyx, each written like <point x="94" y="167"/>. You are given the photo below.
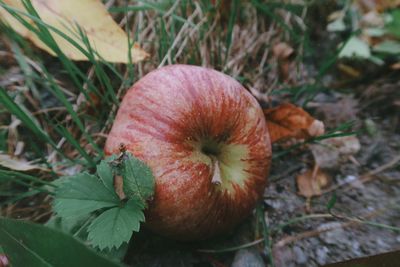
<point x="216" y="171"/>
<point x="212" y="150"/>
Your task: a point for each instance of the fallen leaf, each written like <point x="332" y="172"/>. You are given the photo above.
<point x="104" y="35"/>
<point x="329" y="153"/>
<point x="290" y="122"/>
<point x="336" y="21"/>
<point x="388" y="47"/>
<point x="312" y="182"/>
<point x="395" y="66"/>
<point x="336" y="26"/>
<point x="372" y="19"/>
<point x="17" y="164"/>
<point x="355" y="47"/>
<point x="377" y="5"/>
<point x="282" y="52"/>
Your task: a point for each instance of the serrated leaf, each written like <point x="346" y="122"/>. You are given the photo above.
<point x="104" y="171"/>
<point x="28" y="244"/>
<point x="138" y="179"/>
<point x="115" y="226"/>
<point x="81" y="194"/>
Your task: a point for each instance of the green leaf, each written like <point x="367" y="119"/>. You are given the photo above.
<point x="374" y="32"/>
<point x="394" y="24"/>
<point x="388" y="47"/>
<point x="105" y="173"/>
<point x="138" y="179"/>
<point x="355" y="47"/>
<point x="336" y="26"/>
<point x="28" y="244"/>
<point x="81" y="194"/>
<point x="67" y="225"/>
<point x="115" y="226"/>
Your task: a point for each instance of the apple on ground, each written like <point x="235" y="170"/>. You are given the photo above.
<point x="205" y="138"/>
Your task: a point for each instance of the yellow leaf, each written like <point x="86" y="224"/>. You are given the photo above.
<point x="17" y="164"/>
<point x="104" y="35"/>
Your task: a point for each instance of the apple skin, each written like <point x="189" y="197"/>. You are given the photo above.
<point x="205" y="138"/>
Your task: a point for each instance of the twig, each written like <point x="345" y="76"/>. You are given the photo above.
<point x="368" y="176"/>
<point x="351" y="222"/>
<point x="246" y="245"/>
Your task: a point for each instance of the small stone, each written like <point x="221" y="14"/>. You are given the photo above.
<point x="275" y="204"/>
<point x="284" y="257"/>
<point x="350" y="178"/>
<point x="356" y="248"/>
<point x="382" y="244"/>
<point x="247" y="258"/>
<point x="300" y="256"/>
<point x="322" y="255"/>
<point x="336" y="236"/>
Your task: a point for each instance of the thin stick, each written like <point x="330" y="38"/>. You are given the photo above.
<point x="368" y="176"/>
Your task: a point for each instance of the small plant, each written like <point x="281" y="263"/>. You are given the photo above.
<point x="111" y="218"/>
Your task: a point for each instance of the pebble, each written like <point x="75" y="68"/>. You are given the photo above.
<point x="336" y="236"/>
<point x="247" y="258"/>
<point x="355" y="248"/>
<point x="382" y="244"/>
<point x="322" y="255"/>
<point x="300" y="256"/>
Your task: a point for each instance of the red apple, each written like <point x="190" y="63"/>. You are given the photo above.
<point x="205" y="138"/>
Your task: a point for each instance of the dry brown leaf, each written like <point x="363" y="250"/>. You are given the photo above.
<point x="104" y="35"/>
<point x="395" y="66"/>
<point x="329" y="153"/>
<point x="372" y="19"/>
<point x="378" y="5"/>
<point x="290" y="122"/>
<point x="17" y="164"/>
<point x="282" y="50"/>
<point x="312" y="182"/>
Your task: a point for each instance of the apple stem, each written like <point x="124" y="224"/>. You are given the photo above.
<point x="216" y="178"/>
